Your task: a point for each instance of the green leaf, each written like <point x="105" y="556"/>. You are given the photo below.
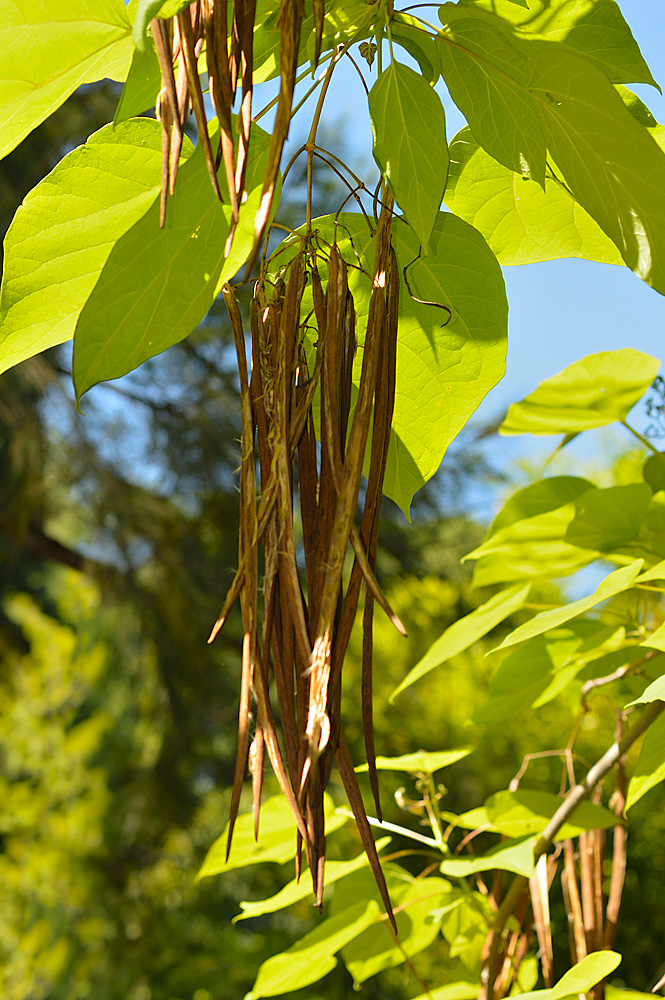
<point x="538" y="498"/>
<point x="650" y="767"/>
<point x="586" y="974"/>
<point x="547" y="96"/>
<point x="409" y="126"/>
<point x="607" y="519"/>
<point x="277" y="837"/>
<point x="522" y="221"/>
<point x="141" y="86"/>
<point x="420" y="762"/>
<point x="417" y="926"/>
<point x="593" y="392"/>
<point x="508" y="856"/>
<point x="595" y="28"/>
<point x="300" y="889"/>
<point x="64" y="231"/>
<point x="407" y="32"/>
<point x="489" y="76"/>
<point x="137" y="308"/>
<point x="527" y="812"/>
<point x="542" y="668"/>
<point x="464" y="632"/>
<point x="443" y="372"/>
<point x="654" y="692"/>
<point x="653" y="472"/>
<point x="49" y="49"/>
<point x="453" y="991"/>
<point x="531" y="547"/>
<point x="146" y="10"/>
<point x="618" y="581"/>
<point x="313" y="957"/>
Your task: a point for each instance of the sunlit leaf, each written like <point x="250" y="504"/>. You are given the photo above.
<point x="452" y="991"/>
<point x="420" y="762"/>
<point x="407" y="32"/>
<point x="538" y="498"/>
<point x="142" y="85"/>
<point x="618" y="581"/>
<point x="410" y="147"/>
<point x="418" y="919"/>
<point x="64" y="231"/>
<point x="607" y="519"/>
<point x="586" y="974"/>
<point x="522" y="221"/>
<point x="300" y="889"/>
<point x="654" y="692"/>
<point x="650" y="767"/>
<point x="509" y="856"/>
<point x="49" y="49"/>
<point x="521" y="95"/>
<point x="526" y="812"/>
<point x="138" y="307"/>
<point x="595" y="28"/>
<point x="538" y="671"/>
<point x="593" y="392"/>
<point x="464" y="632"/>
<point x="311" y="958"/>
<point x="277" y="837"/>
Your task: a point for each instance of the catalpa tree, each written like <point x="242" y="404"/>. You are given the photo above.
<point x="374" y="334"/>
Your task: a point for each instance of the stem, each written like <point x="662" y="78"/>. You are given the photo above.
<point x="310" y="145"/>
<point x="576" y="795"/>
<point x="640" y="437"/>
<point x="299" y="79"/>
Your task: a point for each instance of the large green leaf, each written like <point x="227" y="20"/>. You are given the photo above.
<point x="157" y="285"/>
<point x="420" y="762"/>
<point x="535" y="673"/>
<point x="618" y="581"/>
<point x="463" y="633"/>
<point x="650" y="767"/>
<point x="277" y="837"/>
<point x="50" y="48"/>
<point x="607" y="519"/>
<point x="581" y="978"/>
<point x="527" y="812"/>
<point x="311" y="958"/>
<point x="533" y="546"/>
<point x="508" y="856"/>
<point x="595" y="28"/>
<point x="654" y="692"/>
<point x="142" y="85"/>
<point x="419" y="904"/>
<point x="545" y="95"/>
<point x="538" y="498"/>
<point x="301" y="888"/>
<point x="64" y="231"/>
<point x="522" y="221"/>
<point x="460" y="990"/>
<point x="407" y="31"/>
<point x="410" y="147"/>
<point x="489" y="76"/>
<point x="443" y="371"/>
<point x="593" y="392"/>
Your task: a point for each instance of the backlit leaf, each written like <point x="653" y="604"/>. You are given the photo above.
<point x="654" y="692"/>
<point x="64" y="231"/>
<point x="142" y="85"/>
<point x="508" y="856"/>
<point x="538" y="498"/>
<point x="607" y="519"/>
<point x="410" y="147"/>
<point x="526" y="812"/>
<point x="464" y="632"/>
<point x="311" y="958"/>
<point x="618" y="581"/>
<point x="595" y="28"/>
<point x="522" y="221"/>
<point x="49" y="49"/>
<point x="420" y="762"/>
<point x="650" y="767"/>
<point x="138" y="307"/>
<point x="297" y="890"/>
<point x="277" y="837"/>
<point x="593" y="392"/>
